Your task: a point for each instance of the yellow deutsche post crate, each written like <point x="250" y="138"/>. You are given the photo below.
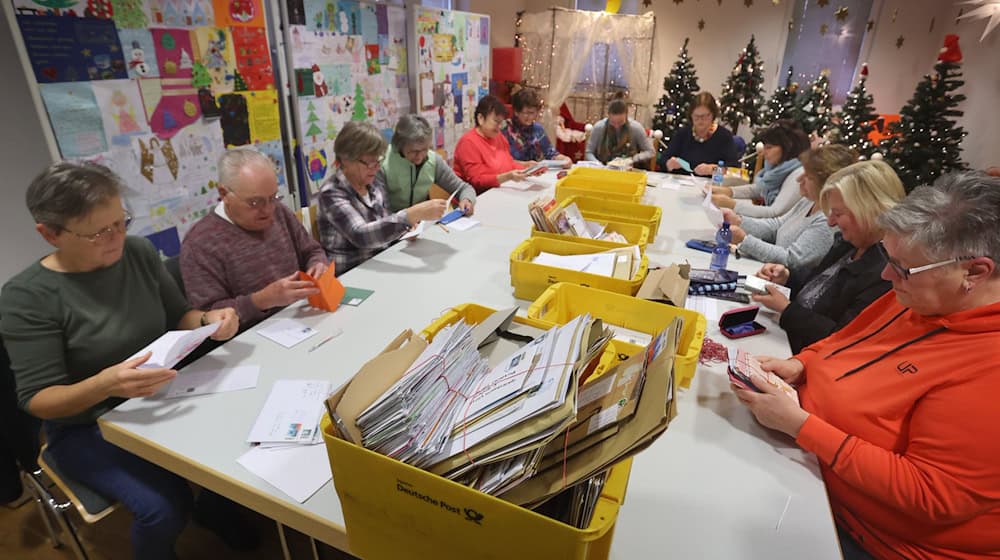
<point x="393" y="510"/>
<point x="562" y="302"/>
<point x="530" y="279"/>
<point x="626" y="186"/>
<point x="634" y="234"/>
<point x="605" y="210"/>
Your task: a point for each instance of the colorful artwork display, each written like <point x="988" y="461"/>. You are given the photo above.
<point x="156" y="90"/>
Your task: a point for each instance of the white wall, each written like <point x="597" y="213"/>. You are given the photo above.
<point x="23" y="154"/>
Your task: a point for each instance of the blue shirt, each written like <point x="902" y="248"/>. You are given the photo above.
<point x="528" y="143"/>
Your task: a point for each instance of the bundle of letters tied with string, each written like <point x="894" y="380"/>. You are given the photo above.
<point x="512" y="410"/>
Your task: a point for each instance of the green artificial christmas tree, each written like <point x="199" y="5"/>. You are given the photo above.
<point x="781" y="105"/>
<point x="312" y="119"/>
<point x="856" y="117"/>
<point x="814" y="108"/>
<point x="680" y="86"/>
<point x="742" y="94"/>
<point x="926" y="143"/>
<point x="360" y="112"/>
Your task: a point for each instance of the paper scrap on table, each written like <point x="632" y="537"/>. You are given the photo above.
<point x="174" y="346"/>
<point x="286" y="332"/>
<point x="712" y="211"/>
<point x="415" y="232"/>
<point x="463" y="224"/>
<point x="356" y="296"/>
<point x="704" y="305"/>
<point x="299" y="471"/>
<point x="521" y="185"/>
<point x="190" y="383"/>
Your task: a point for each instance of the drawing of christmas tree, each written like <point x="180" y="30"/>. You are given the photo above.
<point x="238" y="83"/>
<point x="200" y="77"/>
<point x="331" y="129"/>
<point x="360" y="112"/>
<point x="312" y="119"/>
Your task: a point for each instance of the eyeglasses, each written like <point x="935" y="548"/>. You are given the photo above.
<point x="371" y="164"/>
<point x="905" y="273"/>
<point x="121" y="226"/>
<point x="700" y="116"/>
<point x="260" y="201"/>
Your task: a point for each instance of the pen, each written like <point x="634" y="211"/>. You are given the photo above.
<point x="440" y="225"/>
<point x="322" y="342"/>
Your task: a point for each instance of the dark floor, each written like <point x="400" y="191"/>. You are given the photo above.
<point x="23" y="536"/>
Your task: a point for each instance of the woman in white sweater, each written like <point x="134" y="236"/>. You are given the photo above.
<point x="801" y="237"/>
<point x="777" y="183"/>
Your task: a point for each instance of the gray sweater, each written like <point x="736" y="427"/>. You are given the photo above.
<point x="787" y="197"/>
<point x="794" y="239"/>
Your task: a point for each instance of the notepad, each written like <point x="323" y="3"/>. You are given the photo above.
<point x="174" y="346"/>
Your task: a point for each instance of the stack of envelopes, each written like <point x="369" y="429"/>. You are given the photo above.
<point x="509" y="418"/>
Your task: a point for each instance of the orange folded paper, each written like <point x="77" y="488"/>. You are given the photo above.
<point x="331" y="291"/>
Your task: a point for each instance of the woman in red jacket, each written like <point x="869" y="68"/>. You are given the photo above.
<point x="482" y="155"/>
<point x="900" y="406"/>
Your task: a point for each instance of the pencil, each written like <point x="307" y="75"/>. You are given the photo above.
<point x="322" y="342"/>
<point x="446" y="230"/>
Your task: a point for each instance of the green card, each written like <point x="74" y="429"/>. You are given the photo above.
<point x="355" y="296"/>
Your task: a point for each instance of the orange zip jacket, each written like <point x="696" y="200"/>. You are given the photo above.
<point x="906" y="425"/>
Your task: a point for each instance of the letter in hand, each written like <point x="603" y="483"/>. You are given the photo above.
<point x="773" y="299"/>
<point x="772" y="408"/>
<point x="732" y="217"/>
<point x="230" y="322"/>
<point x="774" y="272"/>
<point x="426" y="211"/>
<point x="125" y="380"/>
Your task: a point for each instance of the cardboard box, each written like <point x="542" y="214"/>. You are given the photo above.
<point x="666" y="285"/>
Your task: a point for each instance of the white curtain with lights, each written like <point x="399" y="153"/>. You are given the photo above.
<point x="558" y="45"/>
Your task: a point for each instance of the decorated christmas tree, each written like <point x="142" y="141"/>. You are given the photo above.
<point x="680" y="87"/>
<point x="239" y="84"/>
<point x="200" y="77"/>
<point x="855" y="118"/>
<point x="926" y="143"/>
<point x="331" y="129"/>
<point x="360" y="112"/>
<point x="742" y="94"/>
<point x="814" y="108"/>
<point x="781" y="105"/>
<point x="312" y="119"/>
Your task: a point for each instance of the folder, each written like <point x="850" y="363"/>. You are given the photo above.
<point x="331" y="291"/>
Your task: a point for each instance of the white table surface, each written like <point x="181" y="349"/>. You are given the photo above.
<point x="715" y="485"/>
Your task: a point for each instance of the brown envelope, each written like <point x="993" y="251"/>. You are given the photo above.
<point x="666" y="285"/>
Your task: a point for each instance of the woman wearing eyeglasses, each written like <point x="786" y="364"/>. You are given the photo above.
<point x="70" y="323"/>
<point x="703" y="144"/>
<point x="482" y="155"/>
<point x="848" y="279"/>
<point x="900" y="405"/>
<point x="527" y="139"/>
<point x="355" y="222"/>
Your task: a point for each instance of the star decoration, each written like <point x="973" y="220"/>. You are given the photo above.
<point x="988" y="10"/>
<point x="822" y="3"/>
<point x="646" y="3"/>
<point x="823" y="29"/>
<point x="701" y="25"/>
<point x="870" y="25"/>
<point x="841" y="13"/>
<point x="899" y="42"/>
<point x="748" y="3"/>
<point x="85" y="52"/>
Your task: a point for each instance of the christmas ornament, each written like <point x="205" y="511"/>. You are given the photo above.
<point x="988" y="10"/>
<point x="899" y="42"/>
<point x="842" y="13"/>
<point x="701" y="25"/>
<point x="877" y="156"/>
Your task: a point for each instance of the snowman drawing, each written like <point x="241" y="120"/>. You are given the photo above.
<point x="138" y="62"/>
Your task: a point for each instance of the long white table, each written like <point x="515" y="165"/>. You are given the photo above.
<point x="715" y="485"/>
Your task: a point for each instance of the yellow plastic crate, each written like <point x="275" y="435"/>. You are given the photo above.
<point x="634" y="234"/>
<point x="562" y="302"/>
<point x="604" y="210"/>
<point x="626" y="186"/>
<point x="530" y="279"/>
<point x="393" y="510"/>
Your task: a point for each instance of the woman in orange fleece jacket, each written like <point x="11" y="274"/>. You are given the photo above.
<point x="900" y="406"/>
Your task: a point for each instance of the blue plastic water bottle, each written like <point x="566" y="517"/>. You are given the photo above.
<point x="720" y="255"/>
<point x="719" y="174"/>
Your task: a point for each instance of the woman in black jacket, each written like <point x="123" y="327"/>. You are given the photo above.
<point x="848" y="278"/>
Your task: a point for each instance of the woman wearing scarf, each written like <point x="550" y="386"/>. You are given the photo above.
<point x="777" y="183"/>
<point x="616" y="137"/>
<point x="527" y="139"/>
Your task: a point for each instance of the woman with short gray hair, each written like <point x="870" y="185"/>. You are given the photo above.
<point x="73" y="322"/>
<point x="900" y="406"/>
<point x="355" y="221"/>
<point x="411" y="167"/>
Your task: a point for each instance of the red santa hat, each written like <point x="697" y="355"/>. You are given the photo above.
<point x="315" y="68"/>
<point x="950" y="52"/>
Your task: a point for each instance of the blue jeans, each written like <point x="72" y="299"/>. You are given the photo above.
<point x="159" y="500"/>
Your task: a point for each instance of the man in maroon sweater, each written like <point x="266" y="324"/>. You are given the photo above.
<point x="248" y="252"/>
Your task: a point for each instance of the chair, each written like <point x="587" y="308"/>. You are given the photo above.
<point x="173" y="265"/>
<point x="313" y="215"/>
<point x="91" y="506"/>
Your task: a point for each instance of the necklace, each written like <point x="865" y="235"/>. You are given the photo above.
<point x="701" y="140"/>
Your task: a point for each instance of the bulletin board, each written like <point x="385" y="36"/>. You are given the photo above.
<point x="156" y="90"/>
<point x="349" y="63"/>
<point x="450" y="69"/>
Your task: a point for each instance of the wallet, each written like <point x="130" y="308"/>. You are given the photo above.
<point x="740" y="322"/>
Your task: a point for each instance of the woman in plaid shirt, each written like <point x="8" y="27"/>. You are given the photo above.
<point x="354" y="218"/>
